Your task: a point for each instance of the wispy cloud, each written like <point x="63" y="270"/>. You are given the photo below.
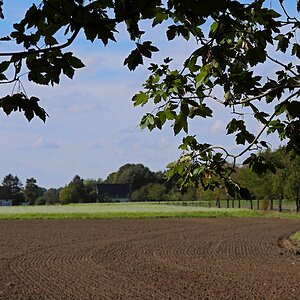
<point x="42" y="143"/>
<point x="84" y="107"/>
<point x="217" y="127"/>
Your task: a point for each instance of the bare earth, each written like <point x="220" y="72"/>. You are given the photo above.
<point x="148" y="259"/>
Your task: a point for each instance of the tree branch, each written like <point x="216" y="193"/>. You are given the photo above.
<point x="266" y="125"/>
<point x="45" y="50"/>
<point x="283" y="65"/>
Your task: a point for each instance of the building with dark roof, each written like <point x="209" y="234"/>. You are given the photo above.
<point x="113" y="192"/>
<point x="5" y="196"/>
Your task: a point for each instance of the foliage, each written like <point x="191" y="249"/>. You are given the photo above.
<point x="150" y="192"/>
<point x="136" y="175"/>
<point x="77" y="191"/>
<point x="74" y="192"/>
<point x="90" y="190"/>
<point x="16" y="188"/>
<point x="292" y="187"/>
<point x="284" y="184"/>
<point x="51" y="196"/>
<point x="31" y="191"/>
<point x="68" y="195"/>
<point x="233" y="39"/>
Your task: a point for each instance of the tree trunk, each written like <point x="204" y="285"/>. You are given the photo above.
<point x="239" y="203"/>
<point x="232" y="203"/>
<point x="251" y="204"/>
<point x="297" y="202"/>
<point x="280" y="204"/>
<point x="271" y="203"/>
<point x="257" y="204"/>
<point x="227" y="203"/>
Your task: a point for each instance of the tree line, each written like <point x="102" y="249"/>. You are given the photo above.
<point x="283" y="182"/>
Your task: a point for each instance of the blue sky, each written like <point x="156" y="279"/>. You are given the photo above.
<point x="93" y="126"/>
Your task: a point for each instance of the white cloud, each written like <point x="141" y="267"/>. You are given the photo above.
<point x="217" y="127"/>
<point x="42" y="143"/>
<point x="84" y="107"/>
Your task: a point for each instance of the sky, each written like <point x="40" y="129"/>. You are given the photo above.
<point x="92" y="128"/>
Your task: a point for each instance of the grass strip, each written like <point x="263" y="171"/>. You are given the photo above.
<point x="207" y="213"/>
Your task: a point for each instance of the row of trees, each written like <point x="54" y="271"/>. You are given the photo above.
<point x="146" y="185"/>
<point x="28" y="194"/>
<point x="282" y="183"/>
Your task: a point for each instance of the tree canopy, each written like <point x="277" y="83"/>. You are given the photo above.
<point x="136" y="175"/>
<point x="246" y="58"/>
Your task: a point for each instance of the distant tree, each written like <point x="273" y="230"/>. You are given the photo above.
<point x="136" y="175"/>
<point x="90" y="189"/>
<point x="78" y="186"/>
<point x="40" y="201"/>
<point x="160" y="177"/>
<point x="31" y="191"/>
<point x="150" y="192"/>
<point x="283" y="182"/>
<point x="278" y="186"/>
<point x="74" y="192"/>
<point x="41" y="191"/>
<point x="292" y="187"/>
<point x="68" y="195"/>
<point x="51" y="196"/>
<point x="173" y="195"/>
<point x="191" y="194"/>
<point x="16" y="188"/>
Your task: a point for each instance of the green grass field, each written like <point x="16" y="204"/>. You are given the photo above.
<point x="129" y="210"/>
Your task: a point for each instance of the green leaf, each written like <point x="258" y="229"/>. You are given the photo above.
<point x="50" y="40"/>
<point x="4" y="66"/>
<point x="133" y="60"/>
<point x="256" y="55"/>
<point x="202" y="76"/>
<point x="3" y="77"/>
<point x="162" y="117"/>
<point x="283" y="42"/>
<point x="76" y="62"/>
<point x="171" y="32"/>
<point x="159" y="18"/>
<point x="214" y="27"/>
<point x="296" y="50"/>
<point x="140" y="99"/>
<point x="180" y="123"/>
<point x="146" y="49"/>
<point x="293" y="109"/>
<point x="19" y="102"/>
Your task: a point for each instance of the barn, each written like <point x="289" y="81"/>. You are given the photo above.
<point x="114" y="192"/>
<point x="5" y="196"/>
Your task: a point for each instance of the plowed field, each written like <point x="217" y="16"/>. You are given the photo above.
<point x="148" y="259"/>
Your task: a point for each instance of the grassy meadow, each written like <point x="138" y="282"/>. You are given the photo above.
<point x="130" y="210"/>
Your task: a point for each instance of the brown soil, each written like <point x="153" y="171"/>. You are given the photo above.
<point x="148" y="259"/>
